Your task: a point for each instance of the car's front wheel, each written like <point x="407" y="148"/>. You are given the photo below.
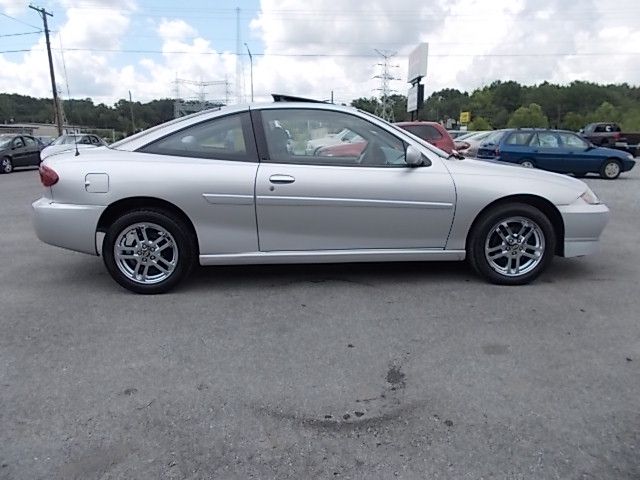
<point x="149" y="251"/>
<point x="610" y="169"/>
<point x="6" y="165"/>
<point x="511" y="244"/>
<point x="526" y="163"/>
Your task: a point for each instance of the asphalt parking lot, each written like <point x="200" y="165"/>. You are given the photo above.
<point x="351" y="371"/>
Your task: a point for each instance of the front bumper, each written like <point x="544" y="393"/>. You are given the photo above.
<point x="66" y="225"/>
<point x="583" y="224"/>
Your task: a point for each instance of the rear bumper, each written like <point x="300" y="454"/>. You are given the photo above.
<point x="67" y="226"/>
<point x="583" y="224"/>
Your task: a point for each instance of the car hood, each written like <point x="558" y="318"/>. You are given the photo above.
<point x="484" y="168"/>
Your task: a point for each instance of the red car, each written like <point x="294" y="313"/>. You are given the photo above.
<point x="432" y="132"/>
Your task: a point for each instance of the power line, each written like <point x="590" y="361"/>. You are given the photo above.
<point x="20" y="34"/>
<point x="20" y="21"/>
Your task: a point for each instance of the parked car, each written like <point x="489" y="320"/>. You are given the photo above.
<point x="70" y="142"/>
<point x="555" y="150"/>
<point x="343" y="136"/>
<point x="18" y="151"/>
<point x="609" y="134"/>
<point x="468" y="144"/>
<point x="432" y="132"/>
<point x="156" y="203"/>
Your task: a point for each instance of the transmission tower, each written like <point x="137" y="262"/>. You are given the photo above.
<point x="385" y="107"/>
<point x="198" y="100"/>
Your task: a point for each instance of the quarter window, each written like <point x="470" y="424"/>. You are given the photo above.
<point x="519" y="138"/>
<point x="223" y="138"/>
<point x="288" y="131"/>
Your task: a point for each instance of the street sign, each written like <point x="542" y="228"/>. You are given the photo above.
<point x="465" y="117"/>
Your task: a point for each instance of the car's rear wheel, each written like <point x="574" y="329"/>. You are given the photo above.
<point x="610" y="169"/>
<point x="149" y="251"/>
<point x="511" y="244"/>
<point x="6" y="165"/>
<point x="526" y="163"/>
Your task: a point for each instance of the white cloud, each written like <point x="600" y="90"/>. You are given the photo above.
<point x="13" y="7"/>
<point x="175" y="29"/>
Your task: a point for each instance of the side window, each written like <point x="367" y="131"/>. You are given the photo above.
<point x="519" y="138"/>
<point x="18" y="143"/>
<point x="572" y="141"/>
<point x="95" y="140"/>
<point x="426" y="132"/>
<point x="288" y="132"/>
<point x="85" y="140"/>
<point x="29" y="142"/>
<point x="545" y="140"/>
<point x="600" y="129"/>
<point x="222" y="138"/>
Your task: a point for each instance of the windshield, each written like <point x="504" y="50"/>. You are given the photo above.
<point x="4" y="141"/>
<point x="64" y="140"/>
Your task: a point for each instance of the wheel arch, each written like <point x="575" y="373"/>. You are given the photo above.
<point x="542" y="204"/>
<point x="124" y="205"/>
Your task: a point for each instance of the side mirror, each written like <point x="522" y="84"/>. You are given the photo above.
<point x="415" y="158"/>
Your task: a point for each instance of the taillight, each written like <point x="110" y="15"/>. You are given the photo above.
<point x="48" y="176"/>
<point x="617" y="135"/>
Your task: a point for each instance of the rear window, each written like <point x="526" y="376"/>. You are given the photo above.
<point x="494" y="137"/>
<point x="424" y="131"/>
<point x="607" y="127"/>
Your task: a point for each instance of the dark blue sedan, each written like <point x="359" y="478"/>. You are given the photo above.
<point x="555" y="150"/>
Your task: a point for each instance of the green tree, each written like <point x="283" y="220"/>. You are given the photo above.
<point x="531" y="116"/>
<point x="573" y="121"/>
<point x="479" y="123"/>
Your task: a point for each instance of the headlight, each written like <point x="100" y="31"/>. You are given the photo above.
<point x="589" y="197"/>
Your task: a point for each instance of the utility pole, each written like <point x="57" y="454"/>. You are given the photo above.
<point x="251" y="64"/>
<point x="56" y="107"/>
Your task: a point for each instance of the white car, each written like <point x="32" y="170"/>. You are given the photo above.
<point x="221" y="187"/>
<point x="343" y="136"/>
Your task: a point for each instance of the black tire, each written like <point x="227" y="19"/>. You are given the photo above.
<point x="610" y="169"/>
<point x="184" y="240"/>
<point x="6" y="165"/>
<point x="579" y="174"/>
<point x="527" y="163"/>
<point x="483" y="231"/>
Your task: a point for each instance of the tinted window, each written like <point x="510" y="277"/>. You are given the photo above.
<point x="18" y="143"/>
<point x="545" y="140"/>
<point x="519" y="138"/>
<point x="570" y="140"/>
<point x="376" y="148"/>
<point x="223" y="138"/>
<point x="426" y="132"/>
<point x="30" y="142"/>
<point x="85" y="140"/>
<point x="95" y="141"/>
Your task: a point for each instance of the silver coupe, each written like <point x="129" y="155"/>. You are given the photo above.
<point x="238" y="186"/>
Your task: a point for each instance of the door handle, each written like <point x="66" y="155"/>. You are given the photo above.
<point x="281" y="179"/>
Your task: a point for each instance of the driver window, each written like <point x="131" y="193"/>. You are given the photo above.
<point x="18" y="143"/>
<point x="307" y="136"/>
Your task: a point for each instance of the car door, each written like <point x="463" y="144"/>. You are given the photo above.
<point x="208" y="170"/>
<point x="19" y="152"/>
<point x="578" y="156"/>
<point x="32" y="151"/>
<point x="370" y="201"/>
<point x="545" y="146"/>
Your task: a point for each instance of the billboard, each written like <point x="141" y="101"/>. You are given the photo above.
<point x="418" y="62"/>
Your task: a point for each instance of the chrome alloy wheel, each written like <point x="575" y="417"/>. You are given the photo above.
<point x="146" y="253"/>
<point x="514" y="246"/>
<point x="5" y="165"/>
<point x="612" y="170"/>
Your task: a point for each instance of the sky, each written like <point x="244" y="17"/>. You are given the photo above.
<point x="104" y="49"/>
